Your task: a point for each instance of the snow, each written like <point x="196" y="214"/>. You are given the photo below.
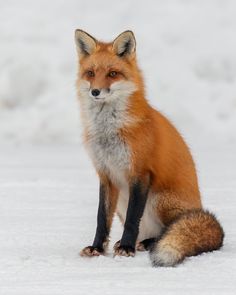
<point x="186" y="50"/>
<point x="49" y="197"/>
<point x="48" y="187"/>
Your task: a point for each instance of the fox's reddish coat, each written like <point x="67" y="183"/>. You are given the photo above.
<point x="157" y="149"/>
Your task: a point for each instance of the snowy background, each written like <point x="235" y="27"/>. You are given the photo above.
<point x="48" y="188"/>
<point x="186" y="49"/>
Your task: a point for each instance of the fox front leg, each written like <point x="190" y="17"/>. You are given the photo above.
<point x="136" y="205"/>
<point x="107" y="203"/>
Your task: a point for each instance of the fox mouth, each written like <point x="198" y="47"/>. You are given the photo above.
<point x="104" y="94"/>
<point x="99" y="99"/>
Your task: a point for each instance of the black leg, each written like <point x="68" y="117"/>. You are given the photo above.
<point x="102" y="231"/>
<point x="107" y="202"/>
<point x="137" y="201"/>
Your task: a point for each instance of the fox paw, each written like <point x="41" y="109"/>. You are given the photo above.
<point x="145" y="245"/>
<point x="123" y="250"/>
<point x="91" y="251"/>
<point x="140" y="247"/>
<point x="116" y="245"/>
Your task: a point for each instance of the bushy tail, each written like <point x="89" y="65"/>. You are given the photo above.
<point x="192" y="233"/>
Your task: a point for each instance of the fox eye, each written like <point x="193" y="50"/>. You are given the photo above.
<point x="90" y="73"/>
<point x="112" y="74"/>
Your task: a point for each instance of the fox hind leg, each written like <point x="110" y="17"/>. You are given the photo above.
<point x="146" y="244"/>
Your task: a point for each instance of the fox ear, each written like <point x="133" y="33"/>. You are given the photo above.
<point x="85" y="43"/>
<point x="124" y="44"/>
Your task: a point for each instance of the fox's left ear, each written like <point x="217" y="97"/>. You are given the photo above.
<point x="125" y="44"/>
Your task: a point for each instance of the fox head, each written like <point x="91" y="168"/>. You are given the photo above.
<point x="107" y="71"/>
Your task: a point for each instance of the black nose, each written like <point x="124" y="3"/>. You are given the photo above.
<point x="95" y="92"/>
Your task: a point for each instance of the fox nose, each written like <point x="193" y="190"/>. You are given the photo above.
<point x="95" y="92"/>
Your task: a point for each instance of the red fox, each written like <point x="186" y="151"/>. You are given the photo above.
<point x="147" y="174"/>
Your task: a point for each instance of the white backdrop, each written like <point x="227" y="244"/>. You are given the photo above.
<point x="187" y="51"/>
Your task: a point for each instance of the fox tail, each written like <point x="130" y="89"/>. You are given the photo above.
<point x="192" y="233"/>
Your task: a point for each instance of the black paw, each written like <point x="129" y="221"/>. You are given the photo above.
<point x="124" y="251"/>
<point x="91" y="251"/>
<point x="145" y="245"/>
<point x="116" y="245"/>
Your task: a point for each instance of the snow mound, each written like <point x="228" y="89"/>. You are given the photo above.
<point x="186" y="50"/>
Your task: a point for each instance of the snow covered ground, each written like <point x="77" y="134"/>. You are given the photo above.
<point x="48" y="198"/>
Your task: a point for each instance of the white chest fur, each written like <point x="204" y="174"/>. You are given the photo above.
<point x="103" y="119"/>
<point x="107" y="149"/>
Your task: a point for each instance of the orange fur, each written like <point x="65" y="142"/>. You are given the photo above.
<point x="158" y="154"/>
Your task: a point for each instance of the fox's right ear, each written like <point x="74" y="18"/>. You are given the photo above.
<point x="85" y="43"/>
